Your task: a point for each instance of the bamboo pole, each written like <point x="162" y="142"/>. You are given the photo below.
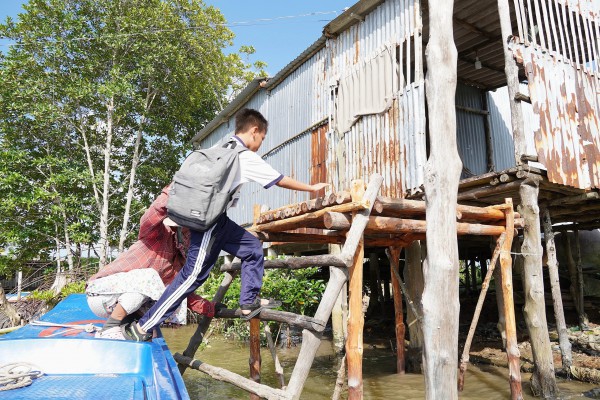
<point x="354" y="342"/>
<point x="512" y="346"/>
<point x="254" y="360"/>
<point x="221" y="374"/>
<point x="394" y="256"/>
<point x="559" y="314"/>
<point x="464" y="359"/>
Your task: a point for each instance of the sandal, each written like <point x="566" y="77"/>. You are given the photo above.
<point x="256" y="307"/>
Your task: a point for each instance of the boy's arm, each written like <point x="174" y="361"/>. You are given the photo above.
<point x="292" y="184"/>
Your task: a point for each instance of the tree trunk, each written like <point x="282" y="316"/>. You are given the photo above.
<point x="559" y="314"/>
<point x="103" y="242"/>
<point x="543" y="381"/>
<point x="442" y="173"/>
<point x="576" y="287"/>
<point x="8" y="309"/>
<point x="413" y="274"/>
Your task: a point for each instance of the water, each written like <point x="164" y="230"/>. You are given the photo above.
<point x="380" y="381"/>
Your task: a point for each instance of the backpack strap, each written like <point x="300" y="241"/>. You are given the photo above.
<point x="232" y="143"/>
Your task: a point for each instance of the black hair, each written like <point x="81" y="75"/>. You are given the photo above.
<point x="247" y="118"/>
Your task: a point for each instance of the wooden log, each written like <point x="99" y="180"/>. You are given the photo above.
<point x="576" y="287"/>
<point x="312" y="340"/>
<point x="392" y="242"/>
<point x="289" y="237"/>
<point x="577" y="199"/>
<point x="343" y="197"/>
<point x="355" y="234"/>
<point x="221" y="374"/>
<point x="512" y="346"/>
<point x="339" y="312"/>
<point x="559" y="314"/>
<point x="273" y="351"/>
<point x="488" y="191"/>
<point x="442" y="174"/>
<point x="204" y="321"/>
<point x="354" y="342"/>
<point x="543" y="382"/>
<point x="464" y="359"/>
<point x="312" y="219"/>
<point x="254" y="360"/>
<point x="340" y="221"/>
<point x="293" y="263"/>
<point x="394" y="256"/>
<point x="302" y="321"/>
<point x="389" y="207"/>
<point x="340" y="379"/>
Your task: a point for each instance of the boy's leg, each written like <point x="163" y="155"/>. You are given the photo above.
<point x="242" y="244"/>
<point x="202" y="254"/>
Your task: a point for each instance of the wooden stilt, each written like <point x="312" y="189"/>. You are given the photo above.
<point x="354" y="342"/>
<point x="340" y="308"/>
<point x="413" y="273"/>
<point x="394" y="253"/>
<point x="512" y="348"/>
<point x="559" y="314"/>
<point x="278" y="367"/>
<point x="254" y="360"/>
<point x="464" y="359"/>
<point x="576" y="287"/>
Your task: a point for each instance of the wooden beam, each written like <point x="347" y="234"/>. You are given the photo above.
<point x="389" y="207"/>
<point x="290" y="237"/>
<point x="293" y="263"/>
<point x="284" y="317"/>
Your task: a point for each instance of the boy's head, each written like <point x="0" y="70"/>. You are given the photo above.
<point x="251" y="126"/>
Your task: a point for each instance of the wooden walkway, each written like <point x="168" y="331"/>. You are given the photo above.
<point x="354" y="219"/>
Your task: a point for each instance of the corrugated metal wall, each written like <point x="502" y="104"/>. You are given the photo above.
<point x="470" y="133"/>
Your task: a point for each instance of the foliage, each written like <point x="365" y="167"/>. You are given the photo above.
<point x="51" y="298"/>
<point x="298" y="290"/>
<point x="89" y="87"/>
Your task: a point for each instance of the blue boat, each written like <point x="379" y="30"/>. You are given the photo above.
<point x="76" y="365"/>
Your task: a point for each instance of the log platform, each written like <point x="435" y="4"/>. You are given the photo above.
<point x="356" y="219"/>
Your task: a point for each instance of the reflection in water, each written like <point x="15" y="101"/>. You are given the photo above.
<point x="380" y="381"/>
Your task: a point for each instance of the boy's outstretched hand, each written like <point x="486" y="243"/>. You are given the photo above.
<point x="318" y="186"/>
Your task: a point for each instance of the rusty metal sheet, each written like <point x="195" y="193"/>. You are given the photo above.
<point x="567" y="101"/>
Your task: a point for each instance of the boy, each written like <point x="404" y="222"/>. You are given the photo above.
<point x="250" y="131"/>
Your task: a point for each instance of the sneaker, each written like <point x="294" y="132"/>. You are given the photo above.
<point x="112" y="333"/>
<point x="131" y="332"/>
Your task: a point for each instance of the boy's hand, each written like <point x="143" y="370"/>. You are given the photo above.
<point x="318" y="186"/>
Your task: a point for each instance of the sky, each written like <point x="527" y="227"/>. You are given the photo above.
<point x="276" y="38"/>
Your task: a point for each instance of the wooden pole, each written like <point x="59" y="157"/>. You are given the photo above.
<point x="543" y="380"/>
<point x="413" y="273"/>
<point x="278" y="367"/>
<point x="512" y="346"/>
<point x="254" y="360"/>
<point x="559" y="314"/>
<point x="576" y="287"/>
<point x="354" y="343"/>
<point x="394" y="253"/>
<point x="339" y="312"/>
<point x="464" y="359"/>
<point x="442" y="172"/>
<point x="204" y="321"/>
<point x="391" y="207"/>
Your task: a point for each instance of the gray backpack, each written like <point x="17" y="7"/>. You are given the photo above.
<point x="203" y="187"/>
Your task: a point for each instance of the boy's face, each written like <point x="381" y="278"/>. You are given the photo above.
<point x="257" y="138"/>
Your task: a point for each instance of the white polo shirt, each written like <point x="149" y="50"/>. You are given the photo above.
<point x="253" y="169"/>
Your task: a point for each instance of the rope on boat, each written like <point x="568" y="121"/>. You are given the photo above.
<point x="18" y="375"/>
<point x="89" y="328"/>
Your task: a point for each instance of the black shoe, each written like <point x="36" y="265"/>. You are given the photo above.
<point x="131" y="332"/>
<point x="256" y="307"/>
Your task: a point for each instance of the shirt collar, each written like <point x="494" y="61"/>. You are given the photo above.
<point x="240" y="140"/>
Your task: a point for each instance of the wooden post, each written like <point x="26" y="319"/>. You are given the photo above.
<point x="512" y="80"/>
<point x="354" y="342"/>
<point x="339" y="313"/>
<point x="394" y="253"/>
<point x="543" y="380"/>
<point x="254" y="360"/>
<point x="489" y="141"/>
<point x="559" y="314"/>
<point x="442" y="172"/>
<point x="467" y="278"/>
<point x="512" y="346"/>
<point x="374" y="283"/>
<point x="413" y="274"/>
<point x="464" y="359"/>
<point x="576" y="287"/>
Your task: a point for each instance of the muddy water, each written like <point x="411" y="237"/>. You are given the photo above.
<point x="380" y="381"/>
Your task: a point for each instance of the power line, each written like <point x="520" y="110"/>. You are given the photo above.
<point x="253" y="22"/>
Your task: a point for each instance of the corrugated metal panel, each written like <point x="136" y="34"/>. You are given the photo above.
<point x="567" y="101"/>
<point x="470" y="132"/>
<point x="500" y="124"/>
